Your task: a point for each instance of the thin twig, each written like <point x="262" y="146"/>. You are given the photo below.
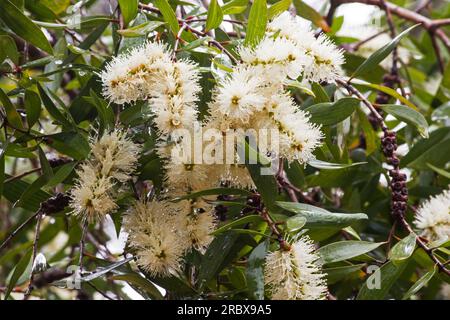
<point x="85" y="224"/>
<point x="35" y="248"/>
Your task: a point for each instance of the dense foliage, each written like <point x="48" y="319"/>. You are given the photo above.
<point x="351" y="203"/>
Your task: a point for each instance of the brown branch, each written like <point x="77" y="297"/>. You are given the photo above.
<point x="409" y="15"/>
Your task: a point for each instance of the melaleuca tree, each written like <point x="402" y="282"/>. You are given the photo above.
<point x="235" y="149"/>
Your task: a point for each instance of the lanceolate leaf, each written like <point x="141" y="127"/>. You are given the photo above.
<point x="257" y="22"/>
<point x="380" y="54"/>
<point x="215" y="16"/>
<point x="321" y="218"/>
<point x="331" y="113"/>
<point x="255" y="271"/>
<point x="129" y="9"/>
<point x="408" y="115"/>
<point x="404" y="248"/>
<point x="14" y="18"/>
<point x="379" y="283"/>
<point x="168" y="14"/>
<point x="343" y="250"/>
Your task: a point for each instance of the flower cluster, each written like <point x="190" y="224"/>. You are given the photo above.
<point x="252" y="96"/>
<point x="433" y="217"/>
<point x="113" y="159"/>
<point x="295" y="274"/>
<point x="148" y="73"/>
<point x="161" y="232"/>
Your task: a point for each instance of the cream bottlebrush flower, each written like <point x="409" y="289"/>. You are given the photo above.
<point x="113" y="159"/>
<point x="129" y="76"/>
<point x="291" y="28"/>
<point x="433" y="217"/>
<point x="298" y="137"/>
<point x="174" y="96"/>
<point x="295" y="274"/>
<point x="153" y="236"/>
<point x="323" y="59"/>
<point x="116" y="154"/>
<point x="198" y="222"/>
<point x="239" y="95"/>
<point x="189" y="177"/>
<point x="91" y="196"/>
<point x="275" y="59"/>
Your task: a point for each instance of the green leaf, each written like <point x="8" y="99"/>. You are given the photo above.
<point x="388" y="275"/>
<point x="278" y="7"/>
<point x="379" y="55"/>
<point x="309" y="13"/>
<point x="135" y="279"/>
<point x="104" y="270"/>
<point x="14" y="189"/>
<point x="321" y="96"/>
<point x="440" y="171"/>
<point x="257" y="21"/>
<point x="8" y="49"/>
<point x="441" y="113"/>
<point x="429" y="151"/>
<point x="14" y="18"/>
<point x="47" y="170"/>
<point x="2" y="172"/>
<point x="32" y="107"/>
<point x="23" y="266"/>
<point x="404" y="248"/>
<point x="238" y="222"/>
<point x="409" y="116"/>
<point x="140" y="30"/>
<point x="215" y="16"/>
<point x="61" y="174"/>
<point x="216" y="255"/>
<point x="104" y="112"/>
<point x="320" y="218"/>
<point x="255" y="271"/>
<point x="343" y="250"/>
<point x="53" y="110"/>
<point x="338" y="273"/>
<point x="295" y="223"/>
<point x="234" y="7"/>
<point x="389" y="91"/>
<point x="423" y="281"/>
<point x="331" y="113"/>
<point x="11" y="113"/>
<point x="72" y="144"/>
<point x="129" y="10"/>
<point x="324" y="165"/>
<point x="168" y="14"/>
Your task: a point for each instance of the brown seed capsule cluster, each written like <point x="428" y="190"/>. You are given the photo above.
<point x="398" y="179"/>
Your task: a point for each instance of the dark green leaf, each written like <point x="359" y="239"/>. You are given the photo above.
<point x="320" y="218"/>
<point x="309" y="13"/>
<point x="8" y="49"/>
<point x="11" y="113"/>
<point x="238" y="222"/>
<point x="343" y="250"/>
<point x="255" y="271"/>
<point x="32" y="107"/>
<point x="331" y="113"/>
<point x="387" y="276"/>
<point x="23" y="266"/>
<point x="14" y="18"/>
<point x="419" y="284"/>
<point x="408" y="115"/>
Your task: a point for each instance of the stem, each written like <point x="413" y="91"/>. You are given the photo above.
<point x="35" y="248"/>
<point x="85" y="224"/>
